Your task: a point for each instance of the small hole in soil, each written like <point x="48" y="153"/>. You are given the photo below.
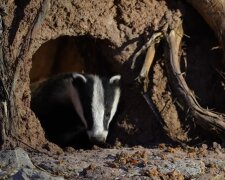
<point x="63" y="102"/>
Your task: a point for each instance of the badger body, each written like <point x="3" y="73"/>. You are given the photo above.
<point x="75" y="109"/>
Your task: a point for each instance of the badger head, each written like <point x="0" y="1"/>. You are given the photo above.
<point x="95" y="100"/>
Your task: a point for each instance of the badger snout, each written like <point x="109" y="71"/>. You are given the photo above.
<point x="97" y="138"/>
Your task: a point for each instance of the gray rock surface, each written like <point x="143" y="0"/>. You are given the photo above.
<point x="16" y="165"/>
<point x="121" y="163"/>
<point x="27" y="173"/>
<point x="135" y="163"/>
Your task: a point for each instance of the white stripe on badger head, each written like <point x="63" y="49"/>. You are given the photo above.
<point x="116" y="97"/>
<point x="76" y="75"/>
<point x="114" y="78"/>
<point x="74" y="96"/>
<point x="97" y="108"/>
<point x="114" y="104"/>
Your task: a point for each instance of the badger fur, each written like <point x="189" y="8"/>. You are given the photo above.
<point x="76" y="109"/>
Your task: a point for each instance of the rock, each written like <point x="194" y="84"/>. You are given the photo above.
<point x="16" y="164"/>
<point x="27" y="174"/>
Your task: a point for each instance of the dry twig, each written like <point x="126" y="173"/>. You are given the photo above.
<point x="152" y="40"/>
<point x="143" y="76"/>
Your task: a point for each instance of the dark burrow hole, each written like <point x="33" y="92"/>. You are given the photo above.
<point x="70" y="54"/>
<point x="64" y="55"/>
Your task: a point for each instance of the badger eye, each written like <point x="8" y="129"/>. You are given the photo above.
<point x="107" y="114"/>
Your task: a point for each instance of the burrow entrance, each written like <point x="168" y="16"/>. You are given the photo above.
<point x="70" y="54"/>
<point x="134" y="122"/>
<point x="82" y="54"/>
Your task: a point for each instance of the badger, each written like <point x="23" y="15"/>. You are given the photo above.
<point x="76" y="109"/>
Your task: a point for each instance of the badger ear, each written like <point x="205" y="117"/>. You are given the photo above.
<point x="79" y="79"/>
<point x="115" y="79"/>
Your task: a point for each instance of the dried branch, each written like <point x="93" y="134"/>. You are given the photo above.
<point x="143" y="76"/>
<point x="205" y="118"/>
<point x="152" y="40"/>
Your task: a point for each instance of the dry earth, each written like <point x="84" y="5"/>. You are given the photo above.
<point x="116" y="29"/>
<point x="163" y="162"/>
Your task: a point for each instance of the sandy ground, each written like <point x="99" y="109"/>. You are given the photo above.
<point x="163" y="162"/>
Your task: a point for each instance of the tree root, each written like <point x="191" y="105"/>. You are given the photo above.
<point x="212" y="122"/>
<point x="209" y="120"/>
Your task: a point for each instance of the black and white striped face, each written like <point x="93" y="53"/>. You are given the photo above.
<point x="96" y="100"/>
